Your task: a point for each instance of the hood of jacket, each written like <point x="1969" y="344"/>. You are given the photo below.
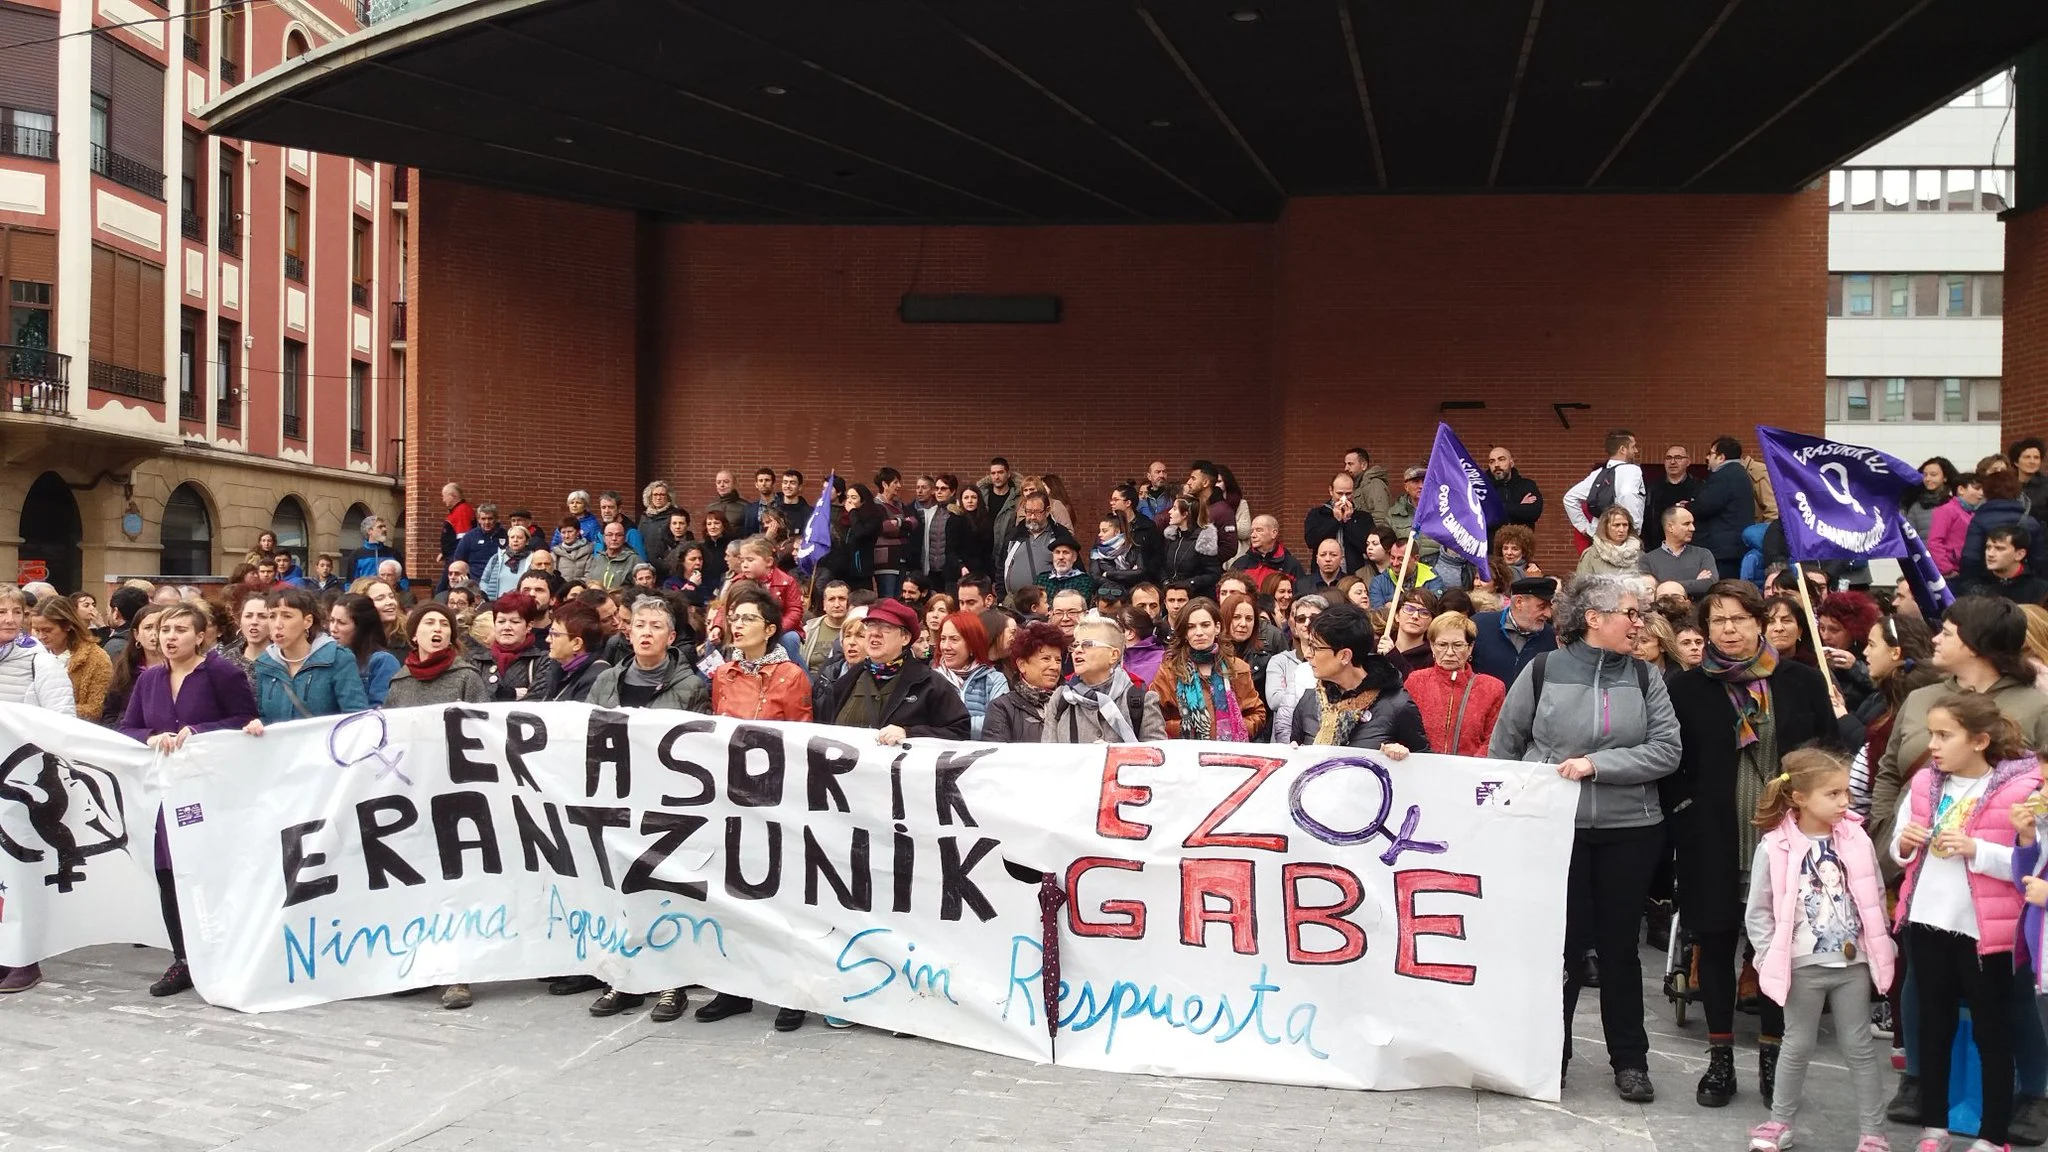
<point x="323" y="652"/>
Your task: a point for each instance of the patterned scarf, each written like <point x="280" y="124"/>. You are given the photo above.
<point x="1102" y="699"/>
<point x="775" y="653"/>
<point x="1208" y="705"/>
<point x="883" y="673"/>
<point x="1748" y="683"/>
<point x="1343" y="711"/>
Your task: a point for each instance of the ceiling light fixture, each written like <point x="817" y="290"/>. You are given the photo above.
<point x="564" y="140"/>
<point x="775" y="90"/>
<point x="1160" y="122"/>
<point x="1247" y="15"/>
<point x="1594" y="83"/>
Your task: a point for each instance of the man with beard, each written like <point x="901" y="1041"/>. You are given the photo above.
<point x="1674" y="486"/>
<point x="1519" y="498"/>
<point x="1155" y="497"/>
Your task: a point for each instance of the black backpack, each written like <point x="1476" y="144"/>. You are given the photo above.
<point x="1601" y="496"/>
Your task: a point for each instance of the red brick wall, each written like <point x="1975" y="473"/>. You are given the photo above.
<point x="521" y="333"/>
<point x="2024" y="390"/>
<point x="1680" y="318"/>
<point x="1269" y="347"/>
<point x="781" y="346"/>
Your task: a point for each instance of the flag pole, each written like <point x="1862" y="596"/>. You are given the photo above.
<point x="1813" y="629"/>
<point x="1400" y="578"/>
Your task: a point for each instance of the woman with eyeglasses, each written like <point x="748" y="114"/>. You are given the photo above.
<point x="1288" y="673"/>
<point x="1605" y="719"/>
<point x="1459" y="706"/>
<point x="1408" y="648"/>
<point x="1738" y="713"/>
<point x="1100" y="703"/>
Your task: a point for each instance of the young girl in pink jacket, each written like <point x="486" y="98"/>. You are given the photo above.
<point x="1958" y="906"/>
<point x="1816" y="917"/>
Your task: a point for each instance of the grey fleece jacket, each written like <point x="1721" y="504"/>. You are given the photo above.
<point x="1592" y="707"/>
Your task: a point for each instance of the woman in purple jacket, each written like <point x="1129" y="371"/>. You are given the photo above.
<point x="193" y="690"/>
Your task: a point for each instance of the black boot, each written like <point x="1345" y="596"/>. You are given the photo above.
<point x="1657" y="924"/>
<point x="1767" y="1070"/>
<point x="1717" y="1087"/>
<point x="1589" y="969"/>
<point x="1905" y="1105"/>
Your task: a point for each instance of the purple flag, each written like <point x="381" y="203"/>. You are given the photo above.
<point x="1929" y="589"/>
<point x="1836" y="501"/>
<point x="817" y="538"/>
<point x="1458" y="502"/>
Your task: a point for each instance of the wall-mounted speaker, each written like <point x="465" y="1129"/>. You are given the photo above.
<point x="964" y="308"/>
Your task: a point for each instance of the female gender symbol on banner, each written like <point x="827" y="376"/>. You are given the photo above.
<point x="361" y="744"/>
<point x="1834" y="473"/>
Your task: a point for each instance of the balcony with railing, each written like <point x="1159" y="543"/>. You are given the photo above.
<point x="194" y="50"/>
<point x="355" y="440"/>
<point x="359" y="295"/>
<point x="128" y="173"/>
<point x="193" y="226"/>
<point x="37" y="380"/>
<point x="227" y="411"/>
<point x="189" y="407"/>
<point x="230" y="72"/>
<point x="21" y="140"/>
<point x="398" y="321"/>
<point x="294" y="268"/>
<point x="230" y="237"/>
<point x="130" y="382"/>
<point x="292" y="428"/>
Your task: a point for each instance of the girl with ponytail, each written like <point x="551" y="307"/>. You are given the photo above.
<point x="1958" y="907"/>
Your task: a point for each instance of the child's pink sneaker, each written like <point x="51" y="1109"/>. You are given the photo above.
<point x="1770" y="1136"/>
<point x="1932" y="1142"/>
<point x="1873" y="1142"/>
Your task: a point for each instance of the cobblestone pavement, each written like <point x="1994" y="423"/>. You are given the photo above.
<point x="89" y="1062"/>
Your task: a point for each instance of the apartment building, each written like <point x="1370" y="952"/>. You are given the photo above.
<point x="203" y="338"/>
<point x="1916" y="286"/>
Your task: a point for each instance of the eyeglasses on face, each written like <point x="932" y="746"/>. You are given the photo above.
<point x="1635" y="616"/>
<point x="1084" y="645"/>
<point x="748" y="618"/>
<point x="1414" y="610"/>
<point x="1450" y="645"/>
<point x="1729" y="621"/>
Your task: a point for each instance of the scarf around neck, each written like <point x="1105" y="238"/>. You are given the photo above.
<point x="883" y="673"/>
<point x="1208" y="704"/>
<point x="756" y="667"/>
<point x="503" y="656"/>
<point x="1627" y="554"/>
<point x="1344" y="709"/>
<point x="432" y="667"/>
<point x="1111" y="548"/>
<point x="1748" y="683"/>
<point x="1104" y="701"/>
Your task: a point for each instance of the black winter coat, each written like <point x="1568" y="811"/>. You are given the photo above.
<point x="1183" y="561"/>
<point x="919" y="702"/>
<point x="1724" y="506"/>
<point x="576" y="688"/>
<point x="1321" y="523"/>
<point x="532" y="670"/>
<point x="970" y="544"/>
<point x="1699" y="799"/>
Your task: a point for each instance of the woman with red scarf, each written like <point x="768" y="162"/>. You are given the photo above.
<point x="434" y="672"/>
<point x="517" y="665"/>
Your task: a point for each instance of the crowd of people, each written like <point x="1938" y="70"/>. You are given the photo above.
<point x="1812" y="775"/>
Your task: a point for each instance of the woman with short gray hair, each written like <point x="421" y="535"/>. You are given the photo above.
<point x="1604" y="718"/>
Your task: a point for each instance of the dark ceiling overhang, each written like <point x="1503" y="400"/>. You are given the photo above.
<point x="1107" y="110"/>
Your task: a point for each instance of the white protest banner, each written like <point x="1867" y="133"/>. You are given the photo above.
<point x="77" y="838"/>
<point x="1314" y="916"/>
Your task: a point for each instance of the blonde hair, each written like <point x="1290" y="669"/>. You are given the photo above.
<point x="1804" y="770"/>
<point x="2037" y="635"/>
<point x="1453" y="622"/>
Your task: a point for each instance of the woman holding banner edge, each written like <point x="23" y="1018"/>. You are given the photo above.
<point x="1604" y="718"/>
<point x="192" y="691"/>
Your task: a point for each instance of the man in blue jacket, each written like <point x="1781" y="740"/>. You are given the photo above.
<point x="1725" y="505"/>
<point x="1510" y="638"/>
<point x="479" y="544"/>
